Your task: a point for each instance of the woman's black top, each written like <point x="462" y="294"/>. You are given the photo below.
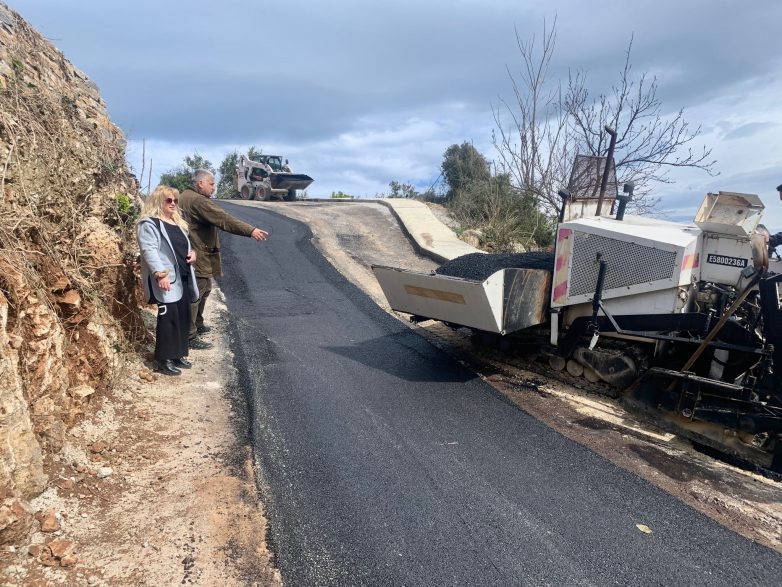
<point x="179" y="242"/>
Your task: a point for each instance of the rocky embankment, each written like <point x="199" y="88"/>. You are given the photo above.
<point x="67" y="293"/>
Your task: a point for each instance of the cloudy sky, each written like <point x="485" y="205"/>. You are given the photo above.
<point x="357" y="93"/>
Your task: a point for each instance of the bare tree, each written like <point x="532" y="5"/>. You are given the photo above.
<point x="537" y="148"/>
<point x="648" y="144"/>
<point x="548" y="127"/>
<point x="143" y="163"/>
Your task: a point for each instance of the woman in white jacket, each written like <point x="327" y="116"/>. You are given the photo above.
<point x="167" y="274"/>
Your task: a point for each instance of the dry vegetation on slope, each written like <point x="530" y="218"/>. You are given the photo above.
<point x="66" y="273"/>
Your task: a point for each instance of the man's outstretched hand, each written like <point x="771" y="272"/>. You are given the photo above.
<point x="258" y="234"/>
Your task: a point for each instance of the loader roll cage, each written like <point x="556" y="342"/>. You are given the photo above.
<point x="273" y="161"/>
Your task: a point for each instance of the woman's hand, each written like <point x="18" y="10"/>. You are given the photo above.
<point x="191" y="258"/>
<point x="163" y="283"/>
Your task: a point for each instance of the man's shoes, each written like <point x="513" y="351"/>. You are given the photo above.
<point x="199" y="344"/>
<point x="183" y="363"/>
<point x="203" y="329"/>
<point x="167" y="367"/>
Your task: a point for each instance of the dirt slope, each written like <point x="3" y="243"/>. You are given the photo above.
<point x="155" y="487"/>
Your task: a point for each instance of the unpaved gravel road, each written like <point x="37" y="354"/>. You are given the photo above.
<point x="179" y="506"/>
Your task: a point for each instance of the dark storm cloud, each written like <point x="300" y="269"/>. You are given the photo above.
<point x="302" y="70"/>
<point x="314" y="68"/>
<point x="345" y="84"/>
<point x="698" y="50"/>
<point x="277" y="107"/>
<point x="747" y="130"/>
<point x="182" y="114"/>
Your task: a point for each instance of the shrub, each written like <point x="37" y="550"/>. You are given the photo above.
<point x="123" y="211"/>
<point x="507" y="218"/>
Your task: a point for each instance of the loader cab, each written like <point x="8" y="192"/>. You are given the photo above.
<point x="273" y="161"/>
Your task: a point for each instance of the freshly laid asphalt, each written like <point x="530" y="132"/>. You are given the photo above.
<point x="383" y="461"/>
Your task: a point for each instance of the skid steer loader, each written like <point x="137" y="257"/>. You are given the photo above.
<point x="263" y="177"/>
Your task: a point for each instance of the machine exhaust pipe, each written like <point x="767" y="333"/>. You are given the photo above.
<point x="609" y="161"/>
<point x="565" y="195"/>
<point x="623" y="199"/>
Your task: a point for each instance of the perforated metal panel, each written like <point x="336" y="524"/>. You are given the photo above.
<point x="628" y="263"/>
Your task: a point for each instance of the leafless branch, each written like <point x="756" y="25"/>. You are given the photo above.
<point x="539" y="132"/>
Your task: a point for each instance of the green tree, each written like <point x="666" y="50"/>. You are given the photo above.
<point x="226" y="184"/>
<point x="181" y="177"/>
<point x="508" y="218"/>
<point x="402" y="190"/>
<point x="226" y="188"/>
<point x="463" y="164"/>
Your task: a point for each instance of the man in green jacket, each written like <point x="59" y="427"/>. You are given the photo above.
<point x="205" y="219"/>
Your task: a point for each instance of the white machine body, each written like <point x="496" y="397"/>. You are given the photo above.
<point x="652" y="268"/>
<point x="651" y="263"/>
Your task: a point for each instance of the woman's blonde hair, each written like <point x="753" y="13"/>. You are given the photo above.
<point x="153" y="205"/>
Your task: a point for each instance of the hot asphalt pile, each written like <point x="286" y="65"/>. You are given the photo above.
<point x="479" y="266"/>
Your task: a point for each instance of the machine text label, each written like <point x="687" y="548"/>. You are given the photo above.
<point x="723" y="260"/>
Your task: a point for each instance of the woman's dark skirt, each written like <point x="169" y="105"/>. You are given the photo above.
<point x="173" y="326"/>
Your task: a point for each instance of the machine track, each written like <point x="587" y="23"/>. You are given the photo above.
<point x="494" y="355"/>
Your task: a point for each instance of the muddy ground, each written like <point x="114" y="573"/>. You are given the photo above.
<point x="158" y="486"/>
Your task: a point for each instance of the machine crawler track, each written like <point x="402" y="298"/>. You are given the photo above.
<point x="490" y="354"/>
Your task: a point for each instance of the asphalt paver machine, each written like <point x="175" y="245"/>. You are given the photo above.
<point x="682" y="319"/>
